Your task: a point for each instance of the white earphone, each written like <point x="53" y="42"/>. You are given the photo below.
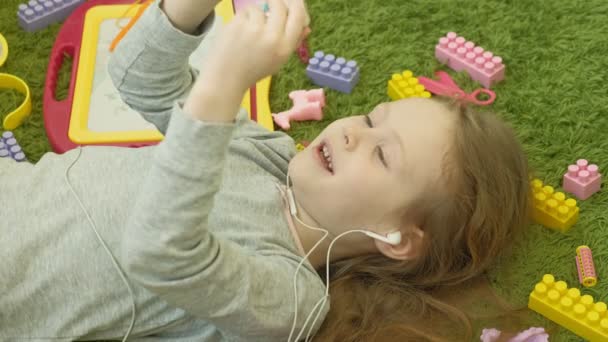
<point x="393" y="238"/>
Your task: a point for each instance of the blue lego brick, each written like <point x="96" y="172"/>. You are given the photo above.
<point x="336" y="73"/>
<point x="9" y="148"/>
<point x="38" y="14"/>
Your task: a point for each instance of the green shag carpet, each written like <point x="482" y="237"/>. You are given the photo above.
<point x="555" y="95"/>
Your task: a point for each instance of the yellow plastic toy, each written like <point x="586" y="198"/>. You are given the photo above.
<point x="566" y="307"/>
<point x="404" y="85"/>
<point x="3" y="50"/>
<point x="81" y="128"/>
<point x="13" y="119"/>
<point x="552" y="209"/>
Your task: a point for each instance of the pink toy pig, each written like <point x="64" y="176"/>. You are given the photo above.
<point x="307" y="105"/>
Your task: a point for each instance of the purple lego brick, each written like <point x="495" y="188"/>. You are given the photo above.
<point x="336" y="73"/>
<point x="38" y="14"/>
<point x="10" y="148"/>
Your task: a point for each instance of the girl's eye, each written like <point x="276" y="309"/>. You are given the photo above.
<point x="368" y="120"/>
<point x="370" y="124"/>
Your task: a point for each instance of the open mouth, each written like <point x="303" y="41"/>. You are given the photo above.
<point x="324" y="155"/>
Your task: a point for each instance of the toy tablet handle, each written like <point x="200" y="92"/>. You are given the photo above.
<point x="57" y="112"/>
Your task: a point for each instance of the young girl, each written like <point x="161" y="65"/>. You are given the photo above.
<point x="205" y="236"/>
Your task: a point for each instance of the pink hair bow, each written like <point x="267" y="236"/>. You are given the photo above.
<point x="447" y="87"/>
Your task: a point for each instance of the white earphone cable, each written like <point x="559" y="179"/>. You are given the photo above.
<point x="116" y="266"/>
<point x="318" y="307"/>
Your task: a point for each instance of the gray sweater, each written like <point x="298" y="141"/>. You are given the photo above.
<point x="196" y="222"/>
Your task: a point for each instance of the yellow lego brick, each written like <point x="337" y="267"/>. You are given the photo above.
<point x="566" y="307"/>
<point x="404" y="85"/>
<point x="552" y="209"/>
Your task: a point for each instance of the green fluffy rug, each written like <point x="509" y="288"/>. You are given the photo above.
<point x="554" y="95"/>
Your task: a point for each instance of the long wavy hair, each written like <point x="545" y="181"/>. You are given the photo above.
<point x="482" y="206"/>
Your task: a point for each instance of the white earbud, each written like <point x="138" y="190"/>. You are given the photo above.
<point x="393" y="238"/>
<point x="292" y="202"/>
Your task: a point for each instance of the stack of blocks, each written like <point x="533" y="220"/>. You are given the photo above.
<point x="566" y="307"/>
<point x="404" y="85"/>
<point x="335" y="73"/>
<point x="460" y="54"/>
<point x="582" y="179"/>
<point x="552" y="209"/>
<point x="9" y="148"/>
<point x="38" y="14"/>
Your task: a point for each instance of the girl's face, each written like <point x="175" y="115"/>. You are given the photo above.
<point x="380" y="163"/>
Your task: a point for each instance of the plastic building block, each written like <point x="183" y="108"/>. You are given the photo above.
<point x="336" y="73"/>
<point x="566" y="307"/>
<point x="302" y="145"/>
<point x="38" y="14"/>
<point x="307" y="105"/>
<point x="585" y="266"/>
<point x="460" y="54"/>
<point x="9" y="148"/>
<point x="552" y="209"/>
<point x="404" y="85"/>
<point x="582" y="179"/>
<point x="531" y="335"/>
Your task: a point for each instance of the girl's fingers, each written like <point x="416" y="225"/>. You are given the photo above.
<point x="306" y="15"/>
<point x="277" y="17"/>
<point x="255" y="15"/>
<point x="295" y="24"/>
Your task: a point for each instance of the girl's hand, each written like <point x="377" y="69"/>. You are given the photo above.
<point x="255" y="44"/>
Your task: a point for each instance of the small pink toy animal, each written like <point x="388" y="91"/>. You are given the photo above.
<point x="307" y="105"/>
<point x="531" y="335"/>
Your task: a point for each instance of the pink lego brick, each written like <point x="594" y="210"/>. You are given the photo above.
<point x="582" y="179"/>
<point x="460" y="54"/>
<point x="38" y="14"/>
<point x="307" y="105"/>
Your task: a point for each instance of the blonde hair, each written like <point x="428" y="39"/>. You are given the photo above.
<point x="482" y="205"/>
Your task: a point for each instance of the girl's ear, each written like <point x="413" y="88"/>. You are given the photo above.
<point x="412" y="239"/>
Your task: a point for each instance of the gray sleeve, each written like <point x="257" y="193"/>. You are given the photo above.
<point x="168" y="248"/>
<point x="150" y="68"/>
